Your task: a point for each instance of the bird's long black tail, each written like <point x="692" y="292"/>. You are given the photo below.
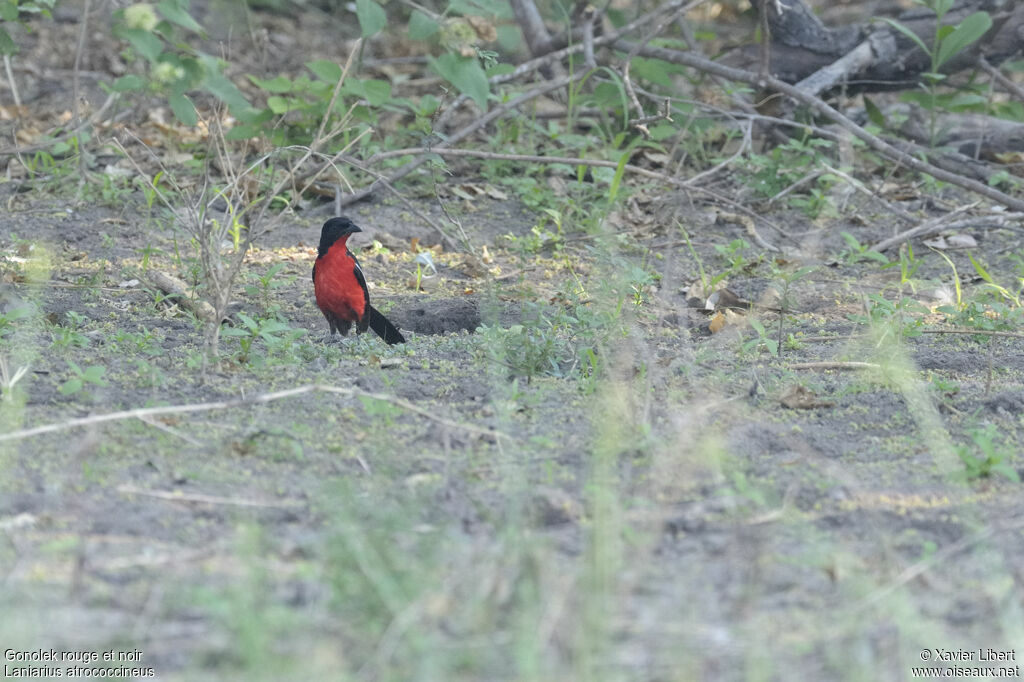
<point x="383" y="328"/>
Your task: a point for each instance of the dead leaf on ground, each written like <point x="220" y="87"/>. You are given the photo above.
<point x="953" y="241"/>
<point x="800" y="398"/>
<point x="725" y="298"/>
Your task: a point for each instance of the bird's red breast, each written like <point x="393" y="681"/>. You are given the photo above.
<point x="335" y="285"/>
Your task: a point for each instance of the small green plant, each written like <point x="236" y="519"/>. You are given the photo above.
<point x="947" y="42"/>
<point x="8" y="319"/>
<point x="904" y="316"/>
<point x="277" y="336"/>
<point x="539" y="345"/>
<point x="263" y="286"/>
<point x="791" y="166"/>
<point x="984" y="456"/>
<point x="10" y="11"/>
<point x="857" y="252"/>
<point x="763" y="340"/>
<point x="424" y="263"/>
<point x="9" y="379"/>
<point x="784" y="280"/>
<point x="539" y="237"/>
<point x="90" y="376"/>
<point x="995" y="308"/>
<point x="148" y="252"/>
<point x="135" y="342"/>
<point x="69" y="335"/>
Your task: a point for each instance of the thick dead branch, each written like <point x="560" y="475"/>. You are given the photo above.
<point x="534" y="31"/>
<point x="871" y="56"/>
<point x="972" y="135"/>
<point x="183" y="296"/>
<point x="819" y="106"/>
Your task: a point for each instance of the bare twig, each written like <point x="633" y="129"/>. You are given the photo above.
<point x="10" y="81"/>
<point x="834" y="365"/>
<point x="179" y="496"/>
<point x="859" y="186"/>
<point x="932" y="226"/>
<point x="1001" y="78"/>
<point x="642" y="119"/>
<point x="534" y="31"/>
<point x="79" y="49"/>
<point x="977" y="332"/>
<point x="589" y="16"/>
<point x="262" y="398"/>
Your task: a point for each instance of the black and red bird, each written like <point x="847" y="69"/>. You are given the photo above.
<point x="340" y="287"/>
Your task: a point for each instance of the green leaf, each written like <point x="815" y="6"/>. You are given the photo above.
<point x="500" y="70"/>
<point x="275" y="85"/>
<point x="421" y="26"/>
<point x="372" y="17"/>
<point x="7" y="45"/>
<point x="70" y="387"/>
<point x="279" y="105"/>
<point x="620" y="169"/>
<point x="220" y="87"/>
<point x="127" y="83"/>
<point x="466" y="74"/>
<point x="144" y="42"/>
<point x="654" y="70"/>
<point x="176" y="15"/>
<point x="248" y="321"/>
<point x="183" y="109"/>
<point x="966" y="33"/>
<point x="242" y="132"/>
<point x="377" y="91"/>
<point x="325" y="70"/>
<point x="8" y="10"/>
<point x="94" y="375"/>
<point x="875" y="114"/>
<point x="980" y="269"/>
<point x="908" y="33"/>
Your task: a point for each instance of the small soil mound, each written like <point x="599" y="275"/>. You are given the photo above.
<point x="437" y="317"/>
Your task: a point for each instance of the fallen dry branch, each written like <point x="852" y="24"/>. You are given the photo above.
<point x="871" y="56"/>
<point x="183" y="295"/>
<point x="142" y="412"/>
<point x="975" y="332"/>
<point x="179" y="496"/>
<point x="928" y="227"/>
<point x="821" y="107"/>
<point x="834" y="365"/>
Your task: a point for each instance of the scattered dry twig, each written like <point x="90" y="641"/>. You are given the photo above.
<point x="179" y="496"/>
<point x="981" y="332"/>
<point x="932" y="226"/>
<point x="834" y="365"/>
<point x="141" y="412"/>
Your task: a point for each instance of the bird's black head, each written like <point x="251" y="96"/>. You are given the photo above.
<point x="333" y="230"/>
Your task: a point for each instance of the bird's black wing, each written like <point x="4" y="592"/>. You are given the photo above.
<point x="359" y="277"/>
<point x="314" y="273"/>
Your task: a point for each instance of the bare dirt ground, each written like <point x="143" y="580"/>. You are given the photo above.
<point x="446" y="515"/>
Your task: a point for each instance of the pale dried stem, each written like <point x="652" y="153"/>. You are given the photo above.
<point x="139" y="413"/>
